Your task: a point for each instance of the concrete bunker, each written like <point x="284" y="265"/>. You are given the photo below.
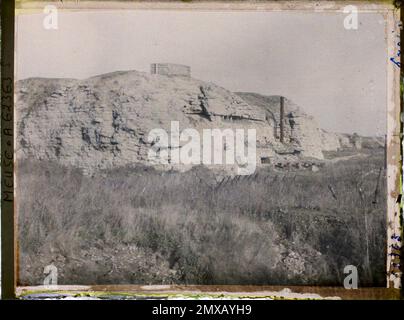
<point x="170" y="69"/>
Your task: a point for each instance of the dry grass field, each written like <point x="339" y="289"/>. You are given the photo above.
<point x="141" y="226"/>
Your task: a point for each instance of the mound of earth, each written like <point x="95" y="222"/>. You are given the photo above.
<point x="104" y="121"/>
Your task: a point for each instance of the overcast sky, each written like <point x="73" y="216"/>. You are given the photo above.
<point x="334" y="74"/>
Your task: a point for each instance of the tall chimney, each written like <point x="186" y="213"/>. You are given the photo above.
<point x="281" y="117"/>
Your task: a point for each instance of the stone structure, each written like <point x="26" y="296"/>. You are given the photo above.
<point x="170" y="69"/>
<point x="104" y="122"/>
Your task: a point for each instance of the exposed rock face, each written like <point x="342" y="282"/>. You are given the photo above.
<point x="301" y="131"/>
<point x="104" y="121"/>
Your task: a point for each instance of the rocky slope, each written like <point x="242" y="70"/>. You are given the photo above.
<point x="104" y="121"/>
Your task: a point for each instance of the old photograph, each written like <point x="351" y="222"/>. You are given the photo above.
<point x="201" y="147"/>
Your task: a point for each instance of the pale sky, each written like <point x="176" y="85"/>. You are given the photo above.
<point x="334" y="74"/>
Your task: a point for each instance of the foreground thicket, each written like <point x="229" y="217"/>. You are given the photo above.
<point x="138" y="225"/>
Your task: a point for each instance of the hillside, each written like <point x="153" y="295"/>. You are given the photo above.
<point x="104" y="121"/>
